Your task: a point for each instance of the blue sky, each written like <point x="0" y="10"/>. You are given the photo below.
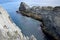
<point x="5" y="1"/>
<point x="36" y="2"/>
<point x="43" y="2"/>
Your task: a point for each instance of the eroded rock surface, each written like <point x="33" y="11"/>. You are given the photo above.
<point x="49" y="16"/>
<point x="8" y="29"/>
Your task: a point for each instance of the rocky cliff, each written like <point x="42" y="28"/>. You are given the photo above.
<point x="9" y="30"/>
<point x="49" y="16"/>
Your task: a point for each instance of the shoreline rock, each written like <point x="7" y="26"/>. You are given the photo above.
<point x="8" y="29"/>
<point x="49" y="16"/>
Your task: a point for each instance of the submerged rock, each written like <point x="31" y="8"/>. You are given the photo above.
<point x="8" y="29"/>
<point x="50" y="18"/>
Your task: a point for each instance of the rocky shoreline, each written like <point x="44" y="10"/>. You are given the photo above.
<point x="48" y="16"/>
<point x="9" y="30"/>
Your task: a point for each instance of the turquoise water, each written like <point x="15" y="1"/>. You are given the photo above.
<point x="28" y="26"/>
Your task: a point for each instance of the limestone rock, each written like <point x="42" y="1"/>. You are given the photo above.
<point x="24" y="7"/>
<point x="50" y="18"/>
<point x="8" y="29"/>
<point x="32" y="38"/>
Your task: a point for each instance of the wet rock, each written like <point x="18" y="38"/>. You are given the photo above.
<point x="50" y="18"/>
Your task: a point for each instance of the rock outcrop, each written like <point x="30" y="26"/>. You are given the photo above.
<point x="8" y="29"/>
<point x="49" y="16"/>
<point x="23" y="6"/>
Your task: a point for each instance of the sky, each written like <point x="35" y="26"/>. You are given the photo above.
<point x="36" y="2"/>
<point x="43" y="2"/>
<point x="5" y="1"/>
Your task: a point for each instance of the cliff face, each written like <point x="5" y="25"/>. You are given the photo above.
<point x="8" y="29"/>
<point x="49" y="16"/>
